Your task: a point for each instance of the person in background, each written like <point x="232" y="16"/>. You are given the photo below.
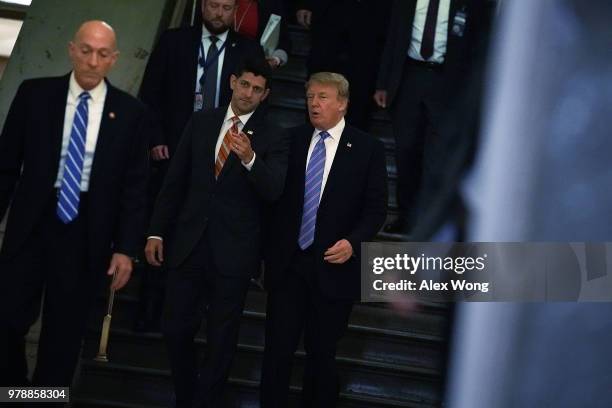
<point x="345" y="37"/>
<point x="427" y="58"/>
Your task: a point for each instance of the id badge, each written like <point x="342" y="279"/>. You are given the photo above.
<point x="198" y="102"/>
<point x="459" y="23"/>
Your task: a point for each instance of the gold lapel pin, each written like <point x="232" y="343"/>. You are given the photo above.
<point x="111" y="115"/>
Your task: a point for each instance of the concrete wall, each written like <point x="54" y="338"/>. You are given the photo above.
<point x="3" y="61"/>
<point x="41" y="48"/>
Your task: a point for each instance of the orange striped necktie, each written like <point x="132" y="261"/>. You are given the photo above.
<point x="225" y="150"/>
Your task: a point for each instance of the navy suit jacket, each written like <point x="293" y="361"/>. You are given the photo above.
<point x="460" y="49"/>
<point x="353" y="206"/>
<point x="31" y="144"/>
<point x="229" y="210"/>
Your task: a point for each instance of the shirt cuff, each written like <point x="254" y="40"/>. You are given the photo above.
<point x="155" y="237"/>
<point x="281" y="55"/>
<point x="249" y="165"/>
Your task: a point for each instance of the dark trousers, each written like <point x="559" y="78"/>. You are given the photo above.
<point x="53" y="261"/>
<point x="153" y="278"/>
<point x="418" y="114"/>
<point x="298" y="307"/>
<point x="196" y="289"/>
<point x="340" y="42"/>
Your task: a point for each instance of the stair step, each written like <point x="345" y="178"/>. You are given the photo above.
<point x="422" y="325"/>
<point x="148" y="350"/>
<point x="153" y="388"/>
<point x="293" y="70"/>
<point x="300" y="41"/>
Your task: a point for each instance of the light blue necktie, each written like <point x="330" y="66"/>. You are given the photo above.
<point x="70" y="190"/>
<point x="312" y="192"/>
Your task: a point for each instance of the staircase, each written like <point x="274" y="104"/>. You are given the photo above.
<point x="385" y="360"/>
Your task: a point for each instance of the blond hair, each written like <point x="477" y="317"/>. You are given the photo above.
<point x="331" y="78"/>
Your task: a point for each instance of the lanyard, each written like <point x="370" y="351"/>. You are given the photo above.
<point x="202" y="60"/>
<point x="206" y="64"/>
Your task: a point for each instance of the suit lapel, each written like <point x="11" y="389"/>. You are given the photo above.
<point x="249" y="129"/>
<point x="229" y="62"/>
<point x="253" y="125"/>
<point x="191" y="50"/>
<point x="111" y="117"/>
<point x="340" y="165"/>
<point x="454" y="6"/>
<point x="303" y="142"/>
<point x="212" y="143"/>
<point x="408" y="12"/>
<point x="57" y="112"/>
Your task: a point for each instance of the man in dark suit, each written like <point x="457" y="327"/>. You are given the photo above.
<point x="334" y="199"/>
<point x="428" y="55"/>
<point x="74" y="164"/>
<point x="186" y="73"/>
<point x="229" y="165"/>
<point x="251" y="18"/>
<point x="345" y="37"/>
<point x="180" y="71"/>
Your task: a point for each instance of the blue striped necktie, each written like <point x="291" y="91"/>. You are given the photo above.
<point x="312" y="192"/>
<point x="70" y="190"/>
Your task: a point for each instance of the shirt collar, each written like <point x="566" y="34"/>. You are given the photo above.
<point x="334" y="132"/>
<point x="206" y="34"/>
<point x="96" y="93"/>
<point x="243" y="118"/>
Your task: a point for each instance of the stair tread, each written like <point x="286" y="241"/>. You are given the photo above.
<point x="364" y="318"/>
<point x="119" y="335"/>
<point x="126" y="375"/>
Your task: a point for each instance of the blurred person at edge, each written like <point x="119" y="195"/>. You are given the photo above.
<point x="542" y="174"/>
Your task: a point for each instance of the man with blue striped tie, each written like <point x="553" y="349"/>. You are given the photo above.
<point x="74" y="168"/>
<point x="335" y="197"/>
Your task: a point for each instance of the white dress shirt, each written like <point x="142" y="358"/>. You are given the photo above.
<point x="227" y="123"/>
<point x="206" y="42"/>
<point x="94" y="118"/>
<point x="418" y="26"/>
<point x="331" y="146"/>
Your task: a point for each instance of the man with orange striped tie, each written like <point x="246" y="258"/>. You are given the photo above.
<point x="206" y="229"/>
